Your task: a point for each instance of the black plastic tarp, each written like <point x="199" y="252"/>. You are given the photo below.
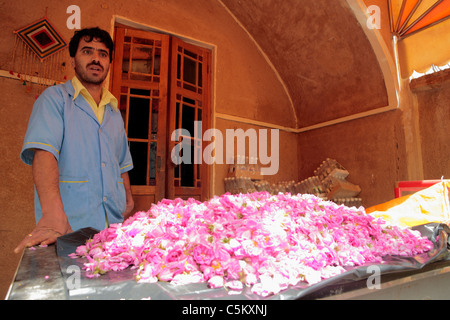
<point x="123" y="284"/>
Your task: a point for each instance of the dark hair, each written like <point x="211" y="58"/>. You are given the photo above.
<point x="88" y="34"/>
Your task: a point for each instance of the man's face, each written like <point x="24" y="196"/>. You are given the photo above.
<point x="91" y="62"/>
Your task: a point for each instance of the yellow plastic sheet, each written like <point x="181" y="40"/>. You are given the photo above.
<point x="424" y="49"/>
<point x="425" y="206"/>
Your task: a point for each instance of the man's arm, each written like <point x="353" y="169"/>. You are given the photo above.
<point x="130" y="201"/>
<point x="54" y="222"/>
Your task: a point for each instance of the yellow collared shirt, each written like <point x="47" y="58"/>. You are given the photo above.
<point x="99" y="110"/>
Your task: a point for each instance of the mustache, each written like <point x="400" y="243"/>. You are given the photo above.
<point x="95" y="63"/>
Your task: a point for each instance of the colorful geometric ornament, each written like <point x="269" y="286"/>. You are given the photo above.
<point x="42" y="38"/>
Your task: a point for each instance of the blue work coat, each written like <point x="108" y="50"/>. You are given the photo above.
<point x="91" y="156"/>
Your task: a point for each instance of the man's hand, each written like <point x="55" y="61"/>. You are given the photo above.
<point x="43" y="234"/>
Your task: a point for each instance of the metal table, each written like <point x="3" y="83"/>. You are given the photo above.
<point x="38" y="276"/>
<point x="41" y="275"/>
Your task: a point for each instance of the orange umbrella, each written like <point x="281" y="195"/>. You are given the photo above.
<point x="410" y="16"/>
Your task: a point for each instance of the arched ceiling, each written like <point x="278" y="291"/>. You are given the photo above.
<point x="321" y="53"/>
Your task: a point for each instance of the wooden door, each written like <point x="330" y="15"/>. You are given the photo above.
<point x="189" y="107"/>
<point x="139" y="81"/>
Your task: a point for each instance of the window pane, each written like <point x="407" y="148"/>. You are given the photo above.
<point x="190" y="54"/>
<point x="189" y="70"/>
<point x="155" y="109"/>
<point x="140" y="92"/>
<point x="187" y="122"/>
<point x="142" y="60"/>
<point x="138" y="175"/>
<point x="138" y="118"/>
<point x="141" y="63"/>
<point x="177" y="171"/>
<point x="140" y="77"/>
<point x="126" y="61"/>
<point x="199" y="154"/>
<point x="143" y="41"/>
<point x="200" y="79"/>
<point x="157" y="62"/>
<point x="179" y="66"/>
<point x="190" y="101"/>
<point x="187" y="171"/>
<point x="152" y="166"/>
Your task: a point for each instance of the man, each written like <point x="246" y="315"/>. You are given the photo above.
<point x="78" y="149"/>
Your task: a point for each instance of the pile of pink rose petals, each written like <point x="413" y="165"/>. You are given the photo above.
<point x="267" y="242"/>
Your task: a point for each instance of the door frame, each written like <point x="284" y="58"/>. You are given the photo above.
<point x="180" y="191"/>
<point x="161" y="190"/>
